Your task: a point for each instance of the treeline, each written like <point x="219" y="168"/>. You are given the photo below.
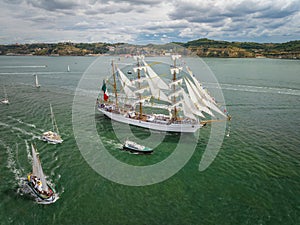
<point x="201" y="47"/>
<point x="62" y="49"/>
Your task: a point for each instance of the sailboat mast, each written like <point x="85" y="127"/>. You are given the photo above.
<point x="139" y="85"/>
<point x="54" y="125"/>
<point x="115" y="84"/>
<point x="5" y="94"/>
<point x="52" y="117"/>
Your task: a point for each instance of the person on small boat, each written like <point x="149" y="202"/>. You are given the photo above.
<point x="39" y="186"/>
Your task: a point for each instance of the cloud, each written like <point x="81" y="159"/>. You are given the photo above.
<point x="144" y="21"/>
<point x="53" y="5"/>
<point x="250" y="18"/>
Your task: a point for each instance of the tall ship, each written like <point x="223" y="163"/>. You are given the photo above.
<point x="175" y="102"/>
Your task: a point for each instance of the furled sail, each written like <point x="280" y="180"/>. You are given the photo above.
<point x="174" y="57"/>
<point x="135" y="69"/>
<point x="177" y="82"/>
<point x="176" y="70"/>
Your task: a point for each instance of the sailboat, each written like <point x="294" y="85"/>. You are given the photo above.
<point x="36" y="84"/>
<point x="37" y="180"/>
<point x="68" y="69"/>
<point x="52" y="137"/>
<point x="5" y="99"/>
<point x="141" y="100"/>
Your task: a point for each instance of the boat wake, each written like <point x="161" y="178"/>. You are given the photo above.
<point x="13" y="163"/>
<point x="11" y="67"/>
<point x="22" y="122"/>
<point x="19" y="169"/>
<point x="113" y="144"/>
<point x="33" y="135"/>
<point x="257" y="89"/>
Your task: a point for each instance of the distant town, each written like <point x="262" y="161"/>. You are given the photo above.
<point x="201" y="47"/>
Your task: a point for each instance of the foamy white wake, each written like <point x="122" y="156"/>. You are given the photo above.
<point x="248" y="88"/>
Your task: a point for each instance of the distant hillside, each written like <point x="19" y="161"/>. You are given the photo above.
<point x="63" y="49"/>
<point x="201" y="47"/>
<point x="211" y="48"/>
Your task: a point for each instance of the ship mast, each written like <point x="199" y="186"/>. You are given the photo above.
<point x="174" y="89"/>
<point x="115" y="84"/>
<point x="139" y="86"/>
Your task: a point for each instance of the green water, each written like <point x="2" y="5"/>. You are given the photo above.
<point x="255" y="178"/>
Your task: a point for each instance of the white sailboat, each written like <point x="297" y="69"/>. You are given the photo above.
<point x="37" y="181"/>
<point x="5" y="99"/>
<point x="36" y="84"/>
<point x="68" y="69"/>
<point x="183" y="99"/>
<point x="52" y="137"/>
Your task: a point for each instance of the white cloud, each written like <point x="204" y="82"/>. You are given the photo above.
<point x="145" y="21"/>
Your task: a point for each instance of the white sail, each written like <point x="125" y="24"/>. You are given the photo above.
<point x="68" y="69"/>
<point x="36" y="81"/>
<point x="142" y="90"/>
<point x="195" y="98"/>
<point x="156" y="92"/>
<point x="128" y="92"/>
<point x="37" y="169"/>
<point x="175" y="94"/>
<point x="141" y="80"/>
<point x="156" y="80"/>
<point x="207" y="99"/>
<point x="124" y="79"/>
<point x="191" y="105"/>
<point x="187" y="111"/>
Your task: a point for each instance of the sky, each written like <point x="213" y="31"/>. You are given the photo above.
<point x="148" y="21"/>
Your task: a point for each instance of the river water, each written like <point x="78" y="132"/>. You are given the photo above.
<point x="254" y="179"/>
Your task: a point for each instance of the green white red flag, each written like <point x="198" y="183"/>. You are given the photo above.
<point x="105" y="93"/>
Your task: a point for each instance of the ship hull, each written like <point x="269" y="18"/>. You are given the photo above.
<point x="134" y="150"/>
<point x="42" y="196"/>
<point x="168" y="127"/>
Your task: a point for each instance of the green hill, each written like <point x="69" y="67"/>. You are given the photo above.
<point x="202" y="47"/>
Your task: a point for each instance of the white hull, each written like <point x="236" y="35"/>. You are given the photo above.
<point x="51" y="137"/>
<point x="5" y="101"/>
<point x="170" y="127"/>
